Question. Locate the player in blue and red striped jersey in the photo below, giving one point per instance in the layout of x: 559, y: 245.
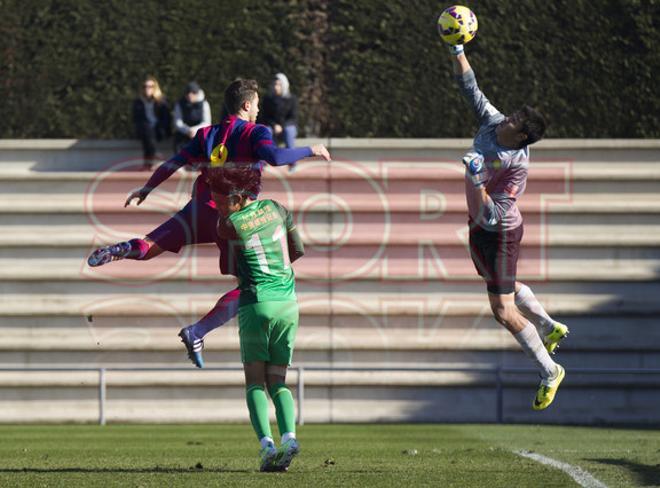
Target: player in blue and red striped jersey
x: 237, y: 139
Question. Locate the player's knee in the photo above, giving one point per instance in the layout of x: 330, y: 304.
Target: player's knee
x: 503, y: 313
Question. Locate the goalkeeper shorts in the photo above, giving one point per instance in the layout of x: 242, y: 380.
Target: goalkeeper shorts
x: 495, y: 256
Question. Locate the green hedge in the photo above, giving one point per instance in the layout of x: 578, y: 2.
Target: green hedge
x: 369, y: 68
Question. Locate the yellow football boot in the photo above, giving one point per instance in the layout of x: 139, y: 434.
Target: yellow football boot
x: 552, y: 340
x: 548, y: 389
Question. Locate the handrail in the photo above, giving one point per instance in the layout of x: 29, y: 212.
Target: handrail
x: 497, y: 371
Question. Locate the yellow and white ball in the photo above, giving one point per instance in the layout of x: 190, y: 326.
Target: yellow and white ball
x: 457, y: 25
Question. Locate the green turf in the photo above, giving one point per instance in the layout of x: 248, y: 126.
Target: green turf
x: 405, y: 456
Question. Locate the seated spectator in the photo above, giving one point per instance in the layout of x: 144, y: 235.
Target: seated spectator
x: 191, y: 113
x: 151, y: 116
x: 279, y: 111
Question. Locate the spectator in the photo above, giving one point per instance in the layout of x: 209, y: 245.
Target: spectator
x: 151, y: 116
x: 280, y: 111
x: 191, y: 113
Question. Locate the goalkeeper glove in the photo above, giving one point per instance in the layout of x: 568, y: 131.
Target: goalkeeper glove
x: 457, y: 49
x: 475, y: 168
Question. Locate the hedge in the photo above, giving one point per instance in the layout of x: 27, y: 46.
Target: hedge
x: 70, y: 68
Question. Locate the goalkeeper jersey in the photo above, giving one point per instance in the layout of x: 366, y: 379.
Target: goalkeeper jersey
x: 257, y: 239
x: 507, y: 168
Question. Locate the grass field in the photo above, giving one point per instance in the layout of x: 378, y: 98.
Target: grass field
x: 405, y: 456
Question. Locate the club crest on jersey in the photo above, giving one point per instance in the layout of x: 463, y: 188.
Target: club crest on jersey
x: 219, y: 155
x: 475, y: 166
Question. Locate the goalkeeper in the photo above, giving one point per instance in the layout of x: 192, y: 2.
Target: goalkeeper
x: 261, y: 242
x: 495, y: 177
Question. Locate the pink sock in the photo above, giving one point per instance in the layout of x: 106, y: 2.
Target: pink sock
x: 224, y: 310
x: 139, y: 247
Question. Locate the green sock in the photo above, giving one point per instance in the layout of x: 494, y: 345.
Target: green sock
x: 257, y: 403
x: 285, y: 410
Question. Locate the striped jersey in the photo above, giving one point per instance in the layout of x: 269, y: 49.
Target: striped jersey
x: 232, y: 140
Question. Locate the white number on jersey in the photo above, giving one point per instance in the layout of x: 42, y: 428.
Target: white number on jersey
x: 255, y: 243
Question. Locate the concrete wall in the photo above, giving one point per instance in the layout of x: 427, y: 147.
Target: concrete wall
x: 386, y: 282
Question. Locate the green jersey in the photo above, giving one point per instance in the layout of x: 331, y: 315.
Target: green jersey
x: 259, y: 238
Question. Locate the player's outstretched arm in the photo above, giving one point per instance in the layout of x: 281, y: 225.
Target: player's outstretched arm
x: 265, y: 149
x: 163, y: 172
x: 189, y: 154
x: 320, y: 151
x: 459, y: 60
x: 467, y: 83
x: 279, y: 156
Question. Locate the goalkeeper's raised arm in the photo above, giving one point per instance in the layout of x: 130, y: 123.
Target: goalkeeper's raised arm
x: 467, y: 82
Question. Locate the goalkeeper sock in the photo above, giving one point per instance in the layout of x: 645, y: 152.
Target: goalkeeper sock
x: 285, y: 410
x: 224, y: 310
x: 533, y: 311
x: 257, y: 403
x: 531, y: 343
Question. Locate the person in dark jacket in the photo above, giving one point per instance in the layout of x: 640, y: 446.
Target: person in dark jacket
x: 191, y: 113
x: 151, y: 117
x: 280, y: 111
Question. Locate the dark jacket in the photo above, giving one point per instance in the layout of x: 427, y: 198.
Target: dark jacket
x: 279, y: 110
x: 192, y: 113
x: 163, y: 127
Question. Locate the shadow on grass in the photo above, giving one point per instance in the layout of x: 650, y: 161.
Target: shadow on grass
x: 155, y: 469
x: 645, y: 474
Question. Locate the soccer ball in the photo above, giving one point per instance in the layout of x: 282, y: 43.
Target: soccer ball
x: 457, y: 25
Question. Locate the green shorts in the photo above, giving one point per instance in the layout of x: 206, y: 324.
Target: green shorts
x: 267, y: 331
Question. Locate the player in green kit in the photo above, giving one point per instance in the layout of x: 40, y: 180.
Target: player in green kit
x: 262, y: 241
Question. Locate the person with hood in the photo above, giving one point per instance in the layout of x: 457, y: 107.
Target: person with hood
x: 280, y: 111
x: 191, y: 113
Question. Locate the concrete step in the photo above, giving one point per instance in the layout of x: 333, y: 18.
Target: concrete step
x: 590, y: 258
x: 367, y: 294
x: 363, y: 233
x: 324, y: 225
x: 206, y: 396
x: 446, y: 336
x: 380, y: 180
x: 350, y: 301
x: 376, y: 334
x: 625, y: 404
x: 312, y: 378
x: 569, y: 358
x: 72, y: 154
x: 226, y: 339
x: 401, y: 267
x: 432, y: 203
x: 638, y: 167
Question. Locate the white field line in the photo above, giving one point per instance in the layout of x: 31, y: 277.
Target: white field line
x: 581, y: 477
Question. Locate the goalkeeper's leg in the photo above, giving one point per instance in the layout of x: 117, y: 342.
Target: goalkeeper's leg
x: 552, y: 374
x: 551, y: 331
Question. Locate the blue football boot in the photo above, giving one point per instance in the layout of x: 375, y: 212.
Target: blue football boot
x: 193, y: 345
